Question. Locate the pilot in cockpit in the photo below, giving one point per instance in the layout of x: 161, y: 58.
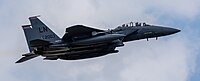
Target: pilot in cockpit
x: 123, y: 25
x: 144, y: 24
x: 137, y: 24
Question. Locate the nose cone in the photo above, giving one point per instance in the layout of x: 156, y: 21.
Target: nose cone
x: 163, y: 31
x: 169, y: 31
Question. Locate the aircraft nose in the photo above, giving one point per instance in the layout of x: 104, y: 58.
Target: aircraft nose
x: 171, y: 30
x: 177, y: 30
x: 163, y: 31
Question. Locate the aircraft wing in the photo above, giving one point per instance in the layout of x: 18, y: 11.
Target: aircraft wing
x: 79, y: 30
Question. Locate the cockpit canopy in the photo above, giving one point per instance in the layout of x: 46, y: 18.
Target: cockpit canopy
x: 132, y: 24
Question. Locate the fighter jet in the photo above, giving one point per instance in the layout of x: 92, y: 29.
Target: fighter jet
x: 82, y: 42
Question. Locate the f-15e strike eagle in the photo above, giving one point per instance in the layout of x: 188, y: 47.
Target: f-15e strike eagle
x: 81, y: 42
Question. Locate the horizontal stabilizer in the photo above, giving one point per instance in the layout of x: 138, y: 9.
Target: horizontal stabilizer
x: 27, y: 57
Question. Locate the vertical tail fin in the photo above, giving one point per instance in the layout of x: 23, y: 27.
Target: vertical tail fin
x: 29, y: 34
x: 38, y: 31
x: 42, y: 30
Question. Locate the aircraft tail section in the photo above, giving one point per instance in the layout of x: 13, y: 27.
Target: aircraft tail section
x: 42, y: 30
x: 37, y: 34
x: 29, y: 34
x: 38, y: 31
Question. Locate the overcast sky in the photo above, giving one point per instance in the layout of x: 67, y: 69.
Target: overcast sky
x: 171, y: 58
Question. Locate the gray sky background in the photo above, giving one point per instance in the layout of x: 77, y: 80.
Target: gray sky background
x: 171, y: 58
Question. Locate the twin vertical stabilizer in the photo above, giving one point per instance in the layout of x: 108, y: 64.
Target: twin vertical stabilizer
x: 38, y: 31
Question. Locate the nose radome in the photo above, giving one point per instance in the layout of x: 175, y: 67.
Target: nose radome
x: 172, y: 30
x: 163, y: 31
x: 177, y: 30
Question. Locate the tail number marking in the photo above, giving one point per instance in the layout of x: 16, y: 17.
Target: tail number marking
x: 51, y: 36
x: 43, y: 29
